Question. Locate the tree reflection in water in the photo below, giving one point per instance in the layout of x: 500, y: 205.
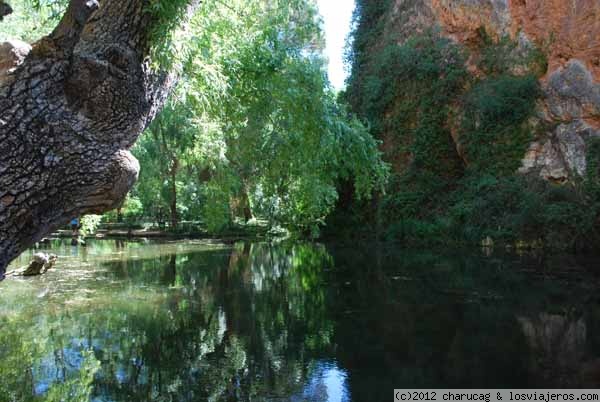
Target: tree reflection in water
x: 291, y: 321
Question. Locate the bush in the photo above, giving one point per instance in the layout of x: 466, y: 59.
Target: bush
x: 516, y: 208
x: 89, y: 224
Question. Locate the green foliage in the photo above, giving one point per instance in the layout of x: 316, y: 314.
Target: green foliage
x: 591, y: 183
x: 495, y: 127
x: 253, y: 126
x: 515, y: 208
x: 168, y: 17
x: 89, y: 224
x: 365, y: 39
x: 508, y: 209
x: 132, y: 209
x: 408, y: 99
x: 165, y: 151
x: 410, y: 83
x: 507, y: 56
x: 31, y: 19
x: 216, y: 209
x: 415, y: 95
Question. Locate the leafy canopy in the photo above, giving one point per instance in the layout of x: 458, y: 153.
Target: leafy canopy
x: 262, y: 127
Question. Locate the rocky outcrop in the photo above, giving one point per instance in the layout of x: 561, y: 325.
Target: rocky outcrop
x: 566, y: 31
x: 39, y: 265
x: 571, y: 108
x: 569, y: 29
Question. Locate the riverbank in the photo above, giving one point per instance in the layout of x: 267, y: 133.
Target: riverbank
x: 120, y: 231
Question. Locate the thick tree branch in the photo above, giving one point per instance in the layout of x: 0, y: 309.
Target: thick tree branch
x: 69, y: 112
x: 68, y: 30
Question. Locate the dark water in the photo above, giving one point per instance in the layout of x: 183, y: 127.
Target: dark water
x: 190, y: 321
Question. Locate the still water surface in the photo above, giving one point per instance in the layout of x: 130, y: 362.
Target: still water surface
x: 192, y: 321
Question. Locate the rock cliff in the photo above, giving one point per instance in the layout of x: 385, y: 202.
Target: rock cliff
x: 568, y: 34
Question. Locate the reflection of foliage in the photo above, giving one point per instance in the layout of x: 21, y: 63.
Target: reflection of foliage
x: 16, y: 355
x: 434, y: 318
x: 170, y: 331
x: 299, y: 268
x: 79, y: 388
x: 24, y: 345
x: 258, y: 320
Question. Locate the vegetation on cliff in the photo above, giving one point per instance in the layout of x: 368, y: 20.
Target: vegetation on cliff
x: 455, y: 124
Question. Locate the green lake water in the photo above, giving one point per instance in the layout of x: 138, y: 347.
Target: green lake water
x: 193, y: 321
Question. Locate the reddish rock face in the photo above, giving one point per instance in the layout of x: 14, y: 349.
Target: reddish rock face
x: 567, y: 31
x: 462, y: 19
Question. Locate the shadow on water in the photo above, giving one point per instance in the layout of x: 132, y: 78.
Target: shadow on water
x: 188, y: 321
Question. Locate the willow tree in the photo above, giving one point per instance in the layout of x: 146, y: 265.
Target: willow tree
x: 270, y: 132
x: 71, y: 106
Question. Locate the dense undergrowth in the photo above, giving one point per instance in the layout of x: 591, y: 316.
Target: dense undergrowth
x: 456, y: 137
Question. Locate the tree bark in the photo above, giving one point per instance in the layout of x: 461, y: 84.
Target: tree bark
x: 247, y: 208
x: 69, y: 112
x: 173, y: 172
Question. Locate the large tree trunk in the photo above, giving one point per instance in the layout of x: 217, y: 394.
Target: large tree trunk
x: 69, y: 111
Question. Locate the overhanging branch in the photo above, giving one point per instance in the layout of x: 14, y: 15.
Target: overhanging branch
x: 69, y: 112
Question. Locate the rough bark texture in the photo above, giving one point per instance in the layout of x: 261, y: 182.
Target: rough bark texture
x: 70, y: 108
